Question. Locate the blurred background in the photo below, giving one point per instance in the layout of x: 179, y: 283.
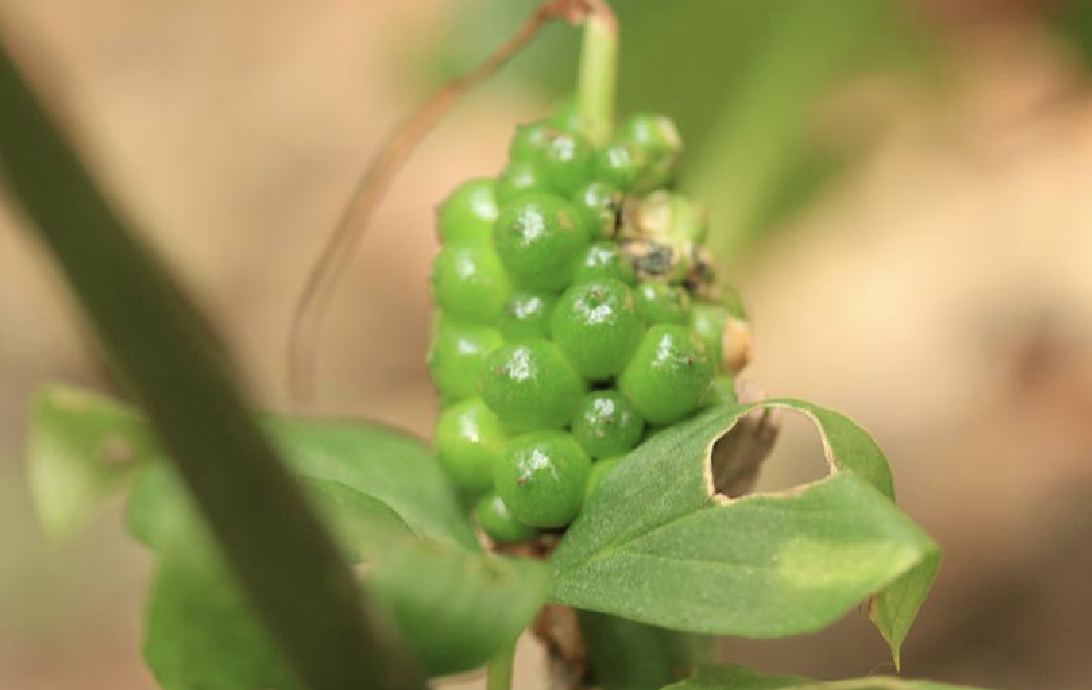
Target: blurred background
x: 900, y: 189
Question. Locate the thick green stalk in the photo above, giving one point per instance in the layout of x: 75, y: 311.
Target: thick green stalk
x: 285, y: 560
x: 598, y: 74
x: 499, y: 671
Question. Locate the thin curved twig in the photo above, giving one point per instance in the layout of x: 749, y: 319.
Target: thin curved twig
x: 325, y: 274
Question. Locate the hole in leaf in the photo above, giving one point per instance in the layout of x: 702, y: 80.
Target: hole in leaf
x: 797, y: 459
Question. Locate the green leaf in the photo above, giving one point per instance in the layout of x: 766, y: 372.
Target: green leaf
x: 83, y: 444
x: 199, y: 631
x: 740, y: 678
x: 81, y: 447
x: 388, y: 464
x: 453, y: 609
x: 458, y: 610
x: 656, y: 546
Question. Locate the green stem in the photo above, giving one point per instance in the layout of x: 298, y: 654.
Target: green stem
x: 499, y: 672
x: 284, y: 558
x: 598, y: 74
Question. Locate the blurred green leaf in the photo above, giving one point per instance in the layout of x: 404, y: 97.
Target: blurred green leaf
x: 379, y: 461
x: 739, y: 678
x: 454, y: 609
x: 383, y: 496
x: 654, y: 545
x: 1072, y: 20
x: 76, y: 434
x: 80, y: 448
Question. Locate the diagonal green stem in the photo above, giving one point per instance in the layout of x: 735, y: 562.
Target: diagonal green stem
x: 280, y: 552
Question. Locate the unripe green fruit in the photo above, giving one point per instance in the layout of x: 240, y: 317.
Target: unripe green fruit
x: 457, y: 357
x: 498, y: 523
x: 607, y: 424
x: 530, y: 140
x: 527, y: 315
x: 659, y: 142
x: 470, y: 282
x: 662, y: 303
x: 530, y: 385
x: 597, y: 326
x: 708, y: 321
x: 605, y: 260
x: 565, y: 160
x: 468, y: 214
x: 669, y: 375
x: 541, y: 478
x: 723, y: 392
x: 566, y: 117
x: 519, y: 177
x: 620, y: 164
x: 601, y: 205
x: 540, y: 239
x: 469, y: 442
x: 600, y: 469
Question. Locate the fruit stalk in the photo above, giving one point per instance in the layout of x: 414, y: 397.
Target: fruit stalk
x: 598, y: 73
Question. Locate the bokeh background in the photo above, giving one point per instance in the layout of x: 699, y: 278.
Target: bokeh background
x: 900, y: 189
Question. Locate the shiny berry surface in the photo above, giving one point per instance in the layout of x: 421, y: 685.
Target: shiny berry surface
x: 497, y: 521
x: 541, y: 478
x: 457, y: 357
x: 669, y: 375
x: 540, y: 239
x: 469, y: 282
x: 607, y: 424
x: 597, y: 326
x: 468, y: 214
x: 531, y: 385
x: 527, y: 315
x: 469, y: 441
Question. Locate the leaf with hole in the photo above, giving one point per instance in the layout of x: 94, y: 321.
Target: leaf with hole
x: 656, y: 545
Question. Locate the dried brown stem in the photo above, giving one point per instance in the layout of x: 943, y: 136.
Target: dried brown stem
x: 327, y: 271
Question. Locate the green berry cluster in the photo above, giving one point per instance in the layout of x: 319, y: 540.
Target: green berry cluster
x: 578, y: 314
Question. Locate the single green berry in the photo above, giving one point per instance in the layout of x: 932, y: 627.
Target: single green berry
x: 527, y: 315
x: 468, y: 214
x: 541, y: 478
x: 659, y: 142
x: 669, y: 375
x: 723, y: 392
x: 457, y: 357
x: 498, y: 523
x: 540, y: 239
x: 470, y: 282
x: 566, y: 117
x: 607, y: 424
x: 530, y: 385
x: 530, y: 140
x: 708, y: 320
x: 662, y: 303
x: 519, y: 177
x: 597, y: 326
x: 601, y: 205
x: 600, y: 469
x: 565, y: 160
x: 605, y: 260
x: 621, y: 164
x: 469, y: 440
